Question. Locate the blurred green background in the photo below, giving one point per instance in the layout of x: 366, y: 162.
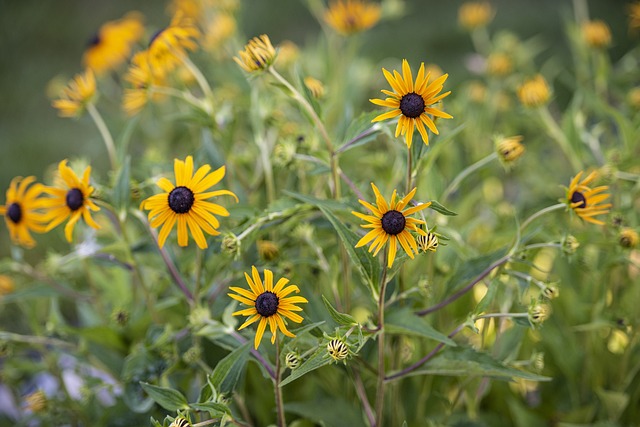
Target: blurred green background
x: 40, y: 41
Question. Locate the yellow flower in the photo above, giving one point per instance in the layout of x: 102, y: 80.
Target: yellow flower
x: 534, y: 92
x: 412, y: 102
x: 499, y: 65
x: 338, y: 350
x: 7, y: 285
x: 315, y: 86
x: 510, y: 149
x: 268, y: 303
x: 170, y: 44
x: 352, y: 16
x: 111, y: 46
x: 477, y: 92
x: 142, y: 80
x: 633, y: 97
x: 596, y: 34
x: 634, y: 15
x: 36, y: 402
x: 628, y: 238
x: 79, y: 92
x: 72, y: 199
x: 428, y: 242
x: 219, y: 30
x: 288, y: 53
x: 390, y: 223
x: 474, y: 15
x: 21, y: 210
x: 186, y: 203
x: 586, y: 201
x: 267, y: 250
x: 258, y: 54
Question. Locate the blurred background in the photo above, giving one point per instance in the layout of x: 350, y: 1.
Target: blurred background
x: 42, y: 44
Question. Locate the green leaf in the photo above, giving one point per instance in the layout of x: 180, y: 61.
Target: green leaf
x: 215, y: 410
x: 404, y: 322
x: 125, y: 137
x: 360, y: 131
x: 340, y: 318
x: 122, y: 191
x: 317, y: 360
x: 465, y: 361
x: 487, y: 301
x: 227, y: 372
x: 328, y: 412
x: 441, y: 209
x: 168, y: 398
x: 473, y: 268
x: 102, y: 335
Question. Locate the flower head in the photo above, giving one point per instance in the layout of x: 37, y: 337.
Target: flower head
x: 268, y: 303
x: 509, y: 149
x: 220, y: 29
x: 596, y: 34
x: 338, y: 349
x: 475, y: 14
x: 111, y: 46
x: 186, y: 204
x: 390, y: 223
x: 71, y: 199
x: 7, y: 285
x: 352, y: 16
x: 292, y: 360
x: 20, y: 210
x: 534, y: 92
x: 628, y: 238
x: 258, y: 55
x: 168, y: 45
x: 586, y: 201
x: 142, y: 80
x: 428, y: 243
x: 499, y: 64
x: 634, y: 15
x: 267, y: 250
x: 79, y: 92
x: 412, y: 101
x: 315, y: 86
x: 538, y: 313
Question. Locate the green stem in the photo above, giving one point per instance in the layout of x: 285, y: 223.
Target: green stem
x: 202, y: 81
x: 556, y: 133
x: 466, y: 172
x: 495, y: 315
x: 381, y: 346
x: 106, y: 135
x: 282, y: 422
x: 540, y: 213
x: 409, y: 161
x: 198, y: 273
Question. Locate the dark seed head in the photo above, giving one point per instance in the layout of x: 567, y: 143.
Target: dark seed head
x: 267, y: 304
x: 578, y: 197
x: 181, y: 200
x: 14, y: 212
x: 393, y: 222
x: 412, y: 105
x: 75, y: 199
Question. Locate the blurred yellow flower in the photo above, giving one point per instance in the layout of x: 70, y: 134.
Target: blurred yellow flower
x: 7, y: 285
x: 142, y: 80
x: 267, y: 250
x: 258, y: 54
x: 634, y: 97
x: 477, y: 92
x: 534, y: 92
x: 510, y: 149
x: 596, y: 34
x: 412, y: 102
x: 586, y: 201
x: 634, y: 15
x: 628, y: 238
x: 499, y: 65
x: 221, y: 28
x: 36, y: 402
x: 315, y: 86
x: 288, y: 53
x: 70, y: 200
x: 352, y: 16
x: 168, y: 45
x: 474, y: 15
x: 20, y: 210
x: 111, y: 46
x: 186, y: 203
x: 79, y: 92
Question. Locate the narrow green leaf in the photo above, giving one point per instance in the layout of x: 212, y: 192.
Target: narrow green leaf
x: 329, y: 412
x: 215, y: 410
x: 122, y: 189
x: 227, y: 372
x: 404, y: 322
x: 125, y: 136
x: 487, y: 301
x: 168, y: 398
x: 473, y: 268
x: 317, y: 360
x: 441, y: 209
x: 467, y: 362
x: 360, y: 131
x: 341, y: 318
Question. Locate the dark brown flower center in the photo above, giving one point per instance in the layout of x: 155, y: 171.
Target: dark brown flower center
x: 181, y: 200
x: 14, y: 212
x: 267, y: 304
x: 94, y: 41
x: 393, y: 222
x: 75, y: 199
x: 578, y: 197
x: 412, y: 105
x: 155, y: 36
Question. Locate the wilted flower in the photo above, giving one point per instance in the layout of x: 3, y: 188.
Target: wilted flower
x: 474, y: 15
x: 267, y: 250
x: 596, y: 34
x: 534, y: 92
x: 509, y: 149
x: 628, y: 238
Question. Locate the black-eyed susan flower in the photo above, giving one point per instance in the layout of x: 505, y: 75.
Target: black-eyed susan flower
x: 352, y: 16
x: 428, y: 243
x: 186, y: 203
x: 586, y: 201
x: 338, y: 350
x: 142, y: 80
x: 168, y: 45
x: 509, y: 149
x: 534, y: 92
x: 71, y: 200
x: 180, y: 422
x: 268, y: 304
x: 258, y: 55
x: 111, y: 46
x: 20, y: 210
x: 628, y: 238
x: 80, y: 91
x: 596, y: 34
x: 475, y: 14
x: 390, y: 222
x: 412, y: 101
